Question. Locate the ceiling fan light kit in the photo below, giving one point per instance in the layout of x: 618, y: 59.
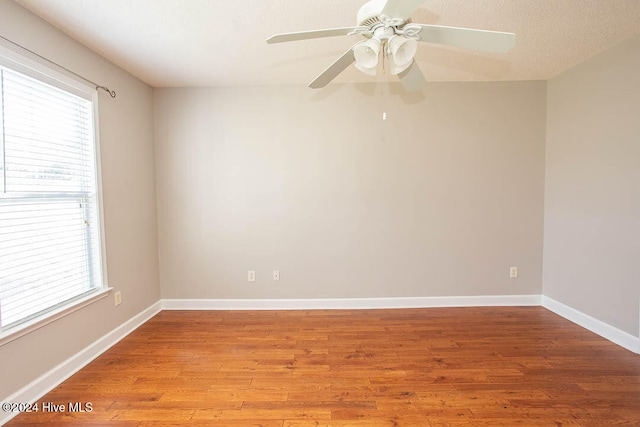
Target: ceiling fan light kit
x: 366, y: 53
x: 402, y: 50
x: 372, y: 71
x: 387, y: 27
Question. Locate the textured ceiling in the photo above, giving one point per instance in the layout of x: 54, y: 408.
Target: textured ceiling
x: 222, y: 42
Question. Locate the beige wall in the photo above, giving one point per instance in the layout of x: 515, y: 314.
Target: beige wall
x: 592, y: 202
x: 126, y: 134
x: 439, y: 200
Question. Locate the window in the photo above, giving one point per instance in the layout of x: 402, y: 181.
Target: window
x: 50, y: 247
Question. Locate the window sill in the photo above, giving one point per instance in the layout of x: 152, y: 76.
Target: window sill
x: 32, y: 325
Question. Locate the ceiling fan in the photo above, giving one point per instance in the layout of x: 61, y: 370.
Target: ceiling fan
x: 390, y: 34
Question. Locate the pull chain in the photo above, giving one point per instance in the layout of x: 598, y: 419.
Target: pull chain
x: 385, y: 83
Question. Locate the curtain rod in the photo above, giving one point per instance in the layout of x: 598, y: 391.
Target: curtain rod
x: 112, y: 93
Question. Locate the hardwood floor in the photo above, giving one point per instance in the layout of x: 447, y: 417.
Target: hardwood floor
x: 485, y: 366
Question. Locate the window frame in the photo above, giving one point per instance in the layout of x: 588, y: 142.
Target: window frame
x: 35, y: 67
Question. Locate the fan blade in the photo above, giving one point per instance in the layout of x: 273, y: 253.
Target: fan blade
x: 489, y: 41
x: 334, y: 69
x: 401, y: 9
x: 412, y: 78
x: 314, y: 34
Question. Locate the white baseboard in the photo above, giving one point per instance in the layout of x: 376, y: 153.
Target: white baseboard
x: 596, y: 326
x: 350, y: 303
x: 47, y: 382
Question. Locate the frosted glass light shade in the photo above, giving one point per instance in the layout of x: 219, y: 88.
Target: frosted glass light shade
x: 366, y: 54
x: 402, y: 52
x: 371, y: 71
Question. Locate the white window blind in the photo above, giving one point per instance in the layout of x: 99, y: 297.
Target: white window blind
x: 50, y: 250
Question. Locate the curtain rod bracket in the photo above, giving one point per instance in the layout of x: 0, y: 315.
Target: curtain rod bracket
x: 112, y: 93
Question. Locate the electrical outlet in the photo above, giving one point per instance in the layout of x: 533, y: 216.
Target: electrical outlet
x: 513, y: 272
x: 251, y: 276
x: 117, y: 296
x: 276, y: 275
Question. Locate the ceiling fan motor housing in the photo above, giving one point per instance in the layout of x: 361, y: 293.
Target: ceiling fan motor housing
x: 369, y: 13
